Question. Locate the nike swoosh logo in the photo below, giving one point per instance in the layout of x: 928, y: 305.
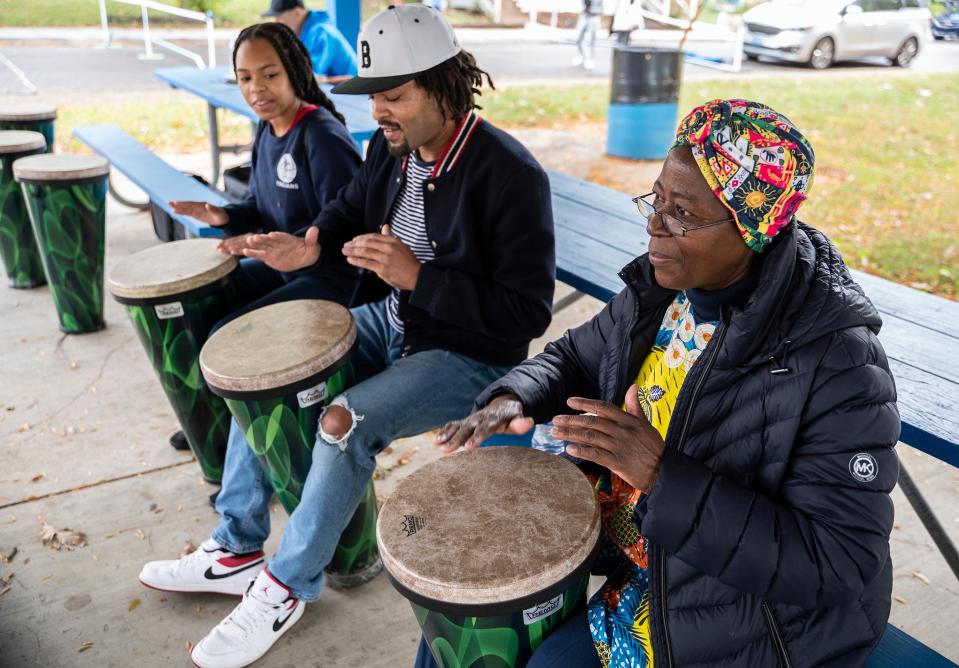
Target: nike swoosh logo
x: 210, y: 575
x: 277, y: 624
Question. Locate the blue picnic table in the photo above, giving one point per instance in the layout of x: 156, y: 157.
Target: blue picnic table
x: 212, y: 86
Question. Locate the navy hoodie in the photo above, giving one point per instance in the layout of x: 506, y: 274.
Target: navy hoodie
x: 296, y: 175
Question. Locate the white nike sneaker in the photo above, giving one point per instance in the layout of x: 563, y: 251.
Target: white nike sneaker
x: 267, y: 611
x: 210, y: 568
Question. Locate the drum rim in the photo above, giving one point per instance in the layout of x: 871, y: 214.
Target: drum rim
x: 285, y: 380
x: 498, y: 608
x: 290, y: 388
x: 14, y: 117
x: 38, y: 145
x: 164, y: 293
x: 465, y: 598
x: 99, y: 169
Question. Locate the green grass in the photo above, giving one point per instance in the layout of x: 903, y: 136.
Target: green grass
x: 235, y: 13
x: 886, y: 187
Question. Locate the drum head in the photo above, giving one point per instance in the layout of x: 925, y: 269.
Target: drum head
x: 488, y: 526
x: 169, y: 270
x: 21, y: 141
x: 60, y: 167
x: 28, y: 112
x: 278, y: 346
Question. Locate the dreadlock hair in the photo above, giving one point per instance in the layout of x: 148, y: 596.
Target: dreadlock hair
x: 454, y: 83
x: 295, y: 59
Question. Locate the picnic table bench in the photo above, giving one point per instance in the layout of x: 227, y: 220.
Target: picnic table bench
x: 599, y: 231
x: 161, y: 181
x: 211, y: 85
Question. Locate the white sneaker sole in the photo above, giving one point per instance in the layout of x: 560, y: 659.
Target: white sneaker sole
x: 204, y: 588
x: 198, y: 660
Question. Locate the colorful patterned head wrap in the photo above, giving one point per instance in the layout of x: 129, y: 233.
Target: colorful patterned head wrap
x: 755, y: 161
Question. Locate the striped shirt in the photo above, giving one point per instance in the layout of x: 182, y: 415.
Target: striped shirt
x: 408, y: 224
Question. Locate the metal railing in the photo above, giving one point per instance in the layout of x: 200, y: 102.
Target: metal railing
x: 148, y: 41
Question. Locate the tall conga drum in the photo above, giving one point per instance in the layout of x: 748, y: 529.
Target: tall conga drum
x: 18, y: 245
x: 175, y: 293
x: 492, y: 547
x: 278, y: 367
x: 66, y: 197
x: 34, y: 117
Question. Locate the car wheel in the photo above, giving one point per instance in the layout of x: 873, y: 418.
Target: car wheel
x: 906, y: 53
x: 822, y: 54
x: 938, y: 38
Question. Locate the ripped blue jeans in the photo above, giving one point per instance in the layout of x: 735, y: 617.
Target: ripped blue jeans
x: 396, y: 397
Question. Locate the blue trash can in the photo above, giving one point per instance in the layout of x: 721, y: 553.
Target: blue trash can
x: 643, y: 103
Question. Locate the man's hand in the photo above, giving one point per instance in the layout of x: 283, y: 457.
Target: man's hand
x: 623, y: 442
x: 386, y: 256
x: 234, y: 245
x: 211, y: 214
x: 503, y: 415
x: 285, y: 252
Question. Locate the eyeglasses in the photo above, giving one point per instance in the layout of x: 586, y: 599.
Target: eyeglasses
x: 673, y: 225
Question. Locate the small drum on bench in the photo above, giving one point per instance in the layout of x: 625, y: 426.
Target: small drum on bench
x: 492, y: 547
x: 34, y: 117
x: 277, y: 367
x: 18, y: 245
x: 175, y: 293
x: 66, y: 196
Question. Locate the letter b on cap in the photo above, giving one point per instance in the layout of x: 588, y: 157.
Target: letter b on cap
x: 365, y: 54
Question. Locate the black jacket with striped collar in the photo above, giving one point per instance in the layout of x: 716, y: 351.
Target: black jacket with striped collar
x: 489, y: 218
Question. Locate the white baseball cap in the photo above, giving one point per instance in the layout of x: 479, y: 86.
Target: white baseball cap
x: 398, y: 44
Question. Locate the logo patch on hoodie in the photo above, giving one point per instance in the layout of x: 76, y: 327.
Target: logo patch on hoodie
x: 286, y: 172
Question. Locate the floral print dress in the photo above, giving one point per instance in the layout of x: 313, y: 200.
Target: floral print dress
x: 619, y: 612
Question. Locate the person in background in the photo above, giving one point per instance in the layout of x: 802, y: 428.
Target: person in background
x: 586, y: 34
x: 333, y: 57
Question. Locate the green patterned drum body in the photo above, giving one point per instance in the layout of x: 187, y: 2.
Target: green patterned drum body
x: 492, y: 548
x: 175, y: 293
x: 18, y: 245
x: 30, y: 117
x: 277, y: 397
x: 66, y: 199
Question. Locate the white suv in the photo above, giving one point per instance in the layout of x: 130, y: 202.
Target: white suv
x: 820, y: 32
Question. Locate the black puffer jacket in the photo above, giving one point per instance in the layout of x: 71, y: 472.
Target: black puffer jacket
x: 769, y: 533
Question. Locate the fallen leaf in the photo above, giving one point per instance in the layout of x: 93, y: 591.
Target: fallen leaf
x: 10, y: 520
x: 58, y: 539
x: 133, y: 604
x: 179, y: 507
x: 7, y: 557
x: 87, y: 644
x: 388, y: 450
x: 189, y: 647
x: 139, y: 534
x: 4, y: 590
x: 900, y: 599
x: 188, y: 548
x: 38, y: 477
x: 74, y: 365
x: 919, y: 576
x: 163, y: 599
x: 24, y: 427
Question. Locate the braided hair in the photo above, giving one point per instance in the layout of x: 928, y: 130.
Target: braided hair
x: 295, y: 59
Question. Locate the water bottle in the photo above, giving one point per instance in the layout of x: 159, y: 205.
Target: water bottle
x: 543, y: 440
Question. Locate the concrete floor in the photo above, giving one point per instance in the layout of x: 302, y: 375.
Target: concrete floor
x: 83, y: 428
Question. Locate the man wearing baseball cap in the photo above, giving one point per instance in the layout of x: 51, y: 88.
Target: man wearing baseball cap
x: 333, y: 57
x: 450, y: 225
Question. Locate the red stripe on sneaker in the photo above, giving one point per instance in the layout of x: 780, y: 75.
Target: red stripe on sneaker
x: 270, y: 575
x: 233, y: 562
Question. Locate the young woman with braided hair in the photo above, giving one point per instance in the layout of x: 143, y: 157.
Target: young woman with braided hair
x: 302, y: 155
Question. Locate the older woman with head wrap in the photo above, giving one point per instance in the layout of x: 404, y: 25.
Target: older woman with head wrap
x: 737, y: 415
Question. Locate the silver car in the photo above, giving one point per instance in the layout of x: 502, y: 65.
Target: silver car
x: 820, y: 32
